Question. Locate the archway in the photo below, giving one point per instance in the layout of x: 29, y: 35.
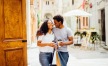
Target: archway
x: 48, y: 16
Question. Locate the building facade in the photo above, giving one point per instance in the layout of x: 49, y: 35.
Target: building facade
x: 99, y: 10
x: 49, y: 8
x: 83, y: 22
x: 98, y: 20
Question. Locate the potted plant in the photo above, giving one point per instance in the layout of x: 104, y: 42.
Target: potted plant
x: 94, y: 37
x: 77, y: 36
x: 83, y: 34
x: 77, y: 33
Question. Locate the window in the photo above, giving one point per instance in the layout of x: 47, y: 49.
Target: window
x: 86, y: 21
x: 48, y: 2
x: 72, y: 2
x: 53, y: 3
x: 79, y: 23
x: 83, y: 21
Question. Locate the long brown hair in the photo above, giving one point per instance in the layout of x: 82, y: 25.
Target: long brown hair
x: 43, y: 29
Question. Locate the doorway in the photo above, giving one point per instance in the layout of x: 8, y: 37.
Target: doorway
x: 103, y: 32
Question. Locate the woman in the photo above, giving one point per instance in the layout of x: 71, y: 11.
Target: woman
x: 45, y: 43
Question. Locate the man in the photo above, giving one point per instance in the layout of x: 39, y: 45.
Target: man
x: 65, y: 35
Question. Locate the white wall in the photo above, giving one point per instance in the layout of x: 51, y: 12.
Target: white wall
x: 94, y: 17
x: 48, y: 8
x: 28, y: 21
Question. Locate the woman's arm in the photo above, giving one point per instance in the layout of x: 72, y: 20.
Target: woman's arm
x: 51, y: 44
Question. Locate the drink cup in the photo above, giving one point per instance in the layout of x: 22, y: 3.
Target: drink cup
x: 59, y: 41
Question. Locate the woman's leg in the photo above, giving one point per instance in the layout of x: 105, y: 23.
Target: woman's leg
x: 50, y: 58
x: 45, y: 58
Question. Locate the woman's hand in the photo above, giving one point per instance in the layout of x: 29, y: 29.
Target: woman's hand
x: 52, y: 44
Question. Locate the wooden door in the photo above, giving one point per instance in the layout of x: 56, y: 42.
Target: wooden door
x: 13, y: 49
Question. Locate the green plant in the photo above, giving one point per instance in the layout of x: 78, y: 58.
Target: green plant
x: 77, y: 33
x: 83, y: 34
x: 94, y: 37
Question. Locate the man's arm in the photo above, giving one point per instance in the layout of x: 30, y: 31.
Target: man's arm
x: 70, y: 38
x: 68, y: 42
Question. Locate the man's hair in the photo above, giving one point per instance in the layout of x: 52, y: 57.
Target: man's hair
x: 58, y: 18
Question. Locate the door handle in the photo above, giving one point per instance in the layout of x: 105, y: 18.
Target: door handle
x: 24, y: 40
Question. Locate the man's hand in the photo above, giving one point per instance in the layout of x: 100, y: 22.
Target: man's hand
x: 61, y: 43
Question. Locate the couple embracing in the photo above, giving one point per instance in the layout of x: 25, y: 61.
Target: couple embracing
x: 48, y: 38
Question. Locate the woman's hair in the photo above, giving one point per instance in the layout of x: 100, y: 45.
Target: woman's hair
x: 58, y: 18
x: 43, y: 29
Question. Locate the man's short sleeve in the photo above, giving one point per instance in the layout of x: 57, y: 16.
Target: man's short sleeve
x: 69, y: 32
